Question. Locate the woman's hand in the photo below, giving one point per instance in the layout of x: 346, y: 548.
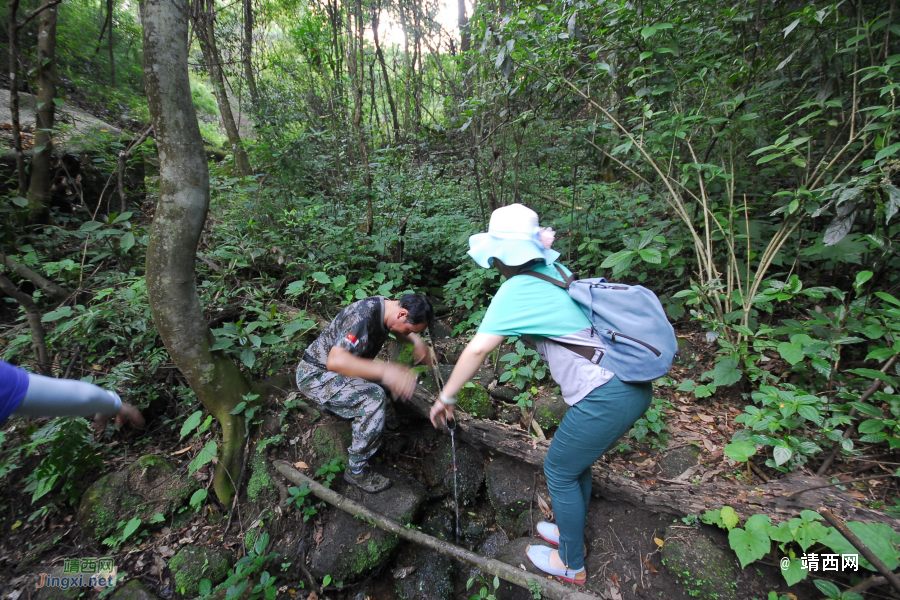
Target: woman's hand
x: 127, y: 414
x: 441, y: 412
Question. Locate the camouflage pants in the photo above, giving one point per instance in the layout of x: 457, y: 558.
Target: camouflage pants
x: 350, y: 398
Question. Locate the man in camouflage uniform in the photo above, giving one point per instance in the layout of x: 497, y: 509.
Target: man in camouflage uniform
x: 338, y: 373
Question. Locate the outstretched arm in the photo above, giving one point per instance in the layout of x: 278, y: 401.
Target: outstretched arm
x: 467, y: 365
x: 49, y: 397
x: 399, y: 380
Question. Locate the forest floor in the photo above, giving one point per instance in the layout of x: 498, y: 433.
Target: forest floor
x: 625, y: 557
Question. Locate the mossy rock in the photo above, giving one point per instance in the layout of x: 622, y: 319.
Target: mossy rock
x: 133, y: 590
x: 476, y: 401
x: 705, y: 570
x: 549, y: 412
x: 350, y: 548
x: 147, y: 486
x: 677, y: 461
x: 330, y: 440
x: 261, y: 485
x: 195, y: 563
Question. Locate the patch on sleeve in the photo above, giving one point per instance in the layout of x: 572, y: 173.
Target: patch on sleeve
x: 352, y: 339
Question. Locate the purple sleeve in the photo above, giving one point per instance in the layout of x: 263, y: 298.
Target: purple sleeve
x: 13, y: 385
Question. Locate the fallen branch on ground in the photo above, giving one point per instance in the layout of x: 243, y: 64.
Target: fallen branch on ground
x: 863, y: 549
x: 549, y: 588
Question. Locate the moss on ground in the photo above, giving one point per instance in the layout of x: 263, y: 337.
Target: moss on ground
x: 260, y: 479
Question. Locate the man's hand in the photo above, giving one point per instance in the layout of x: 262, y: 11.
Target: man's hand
x: 441, y: 412
x: 399, y: 380
x: 423, y: 352
x: 127, y: 413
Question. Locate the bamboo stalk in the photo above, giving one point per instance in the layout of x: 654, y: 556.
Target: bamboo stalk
x: 549, y: 588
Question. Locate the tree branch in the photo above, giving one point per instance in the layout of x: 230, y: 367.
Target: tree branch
x: 57, y: 292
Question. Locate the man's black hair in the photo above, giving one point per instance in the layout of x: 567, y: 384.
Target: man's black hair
x: 419, y: 308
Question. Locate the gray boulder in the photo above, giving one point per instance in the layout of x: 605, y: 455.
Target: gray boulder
x: 432, y: 572
x: 134, y: 590
x: 351, y: 548
x: 489, y: 548
x: 513, y: 554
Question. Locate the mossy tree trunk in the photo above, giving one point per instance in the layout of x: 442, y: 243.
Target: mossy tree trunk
x: 39, y: 189
x: 183, y: 205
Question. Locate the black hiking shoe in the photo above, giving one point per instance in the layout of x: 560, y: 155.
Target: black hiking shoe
x: 367, y: 480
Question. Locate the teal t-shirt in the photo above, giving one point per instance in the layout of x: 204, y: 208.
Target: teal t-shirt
x: 526, y: 305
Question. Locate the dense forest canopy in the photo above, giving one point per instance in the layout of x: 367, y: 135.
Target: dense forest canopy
x: 736, y: 158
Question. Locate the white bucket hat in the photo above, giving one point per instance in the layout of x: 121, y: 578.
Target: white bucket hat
x: 514, y: 237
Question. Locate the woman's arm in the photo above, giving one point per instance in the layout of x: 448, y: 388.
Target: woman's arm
x: 49, y: 397
x: 467, y: 365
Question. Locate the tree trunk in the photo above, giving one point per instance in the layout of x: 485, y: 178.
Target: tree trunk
x: 246, y: 54
x: 14, y: 94
x: 357, y: 67
x: 465, y: 42
x: 384, y: 71
x: 179, y: 219
x: 41, y: 173
x: 112, y: 59
x: 33, y: 315
x: 206, y: 35
x: 678, y: 499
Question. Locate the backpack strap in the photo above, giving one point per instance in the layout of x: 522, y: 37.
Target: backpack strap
x: 568, y: 278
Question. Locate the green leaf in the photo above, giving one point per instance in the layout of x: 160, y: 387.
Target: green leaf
x: 326, y: 581
x: 740, y: 451
x: 782, y: 454
x: 795, y: 572
x: 197, y: 498
x: 871, y: 426
x: 59, y: 313
x: 205, y: 456
x: 826, y: 587
x: 749, y: 545
x: 703, y: 391
x: 726, y: 372
x: 862, y: 277
x: 872, y: 374
x: 190, y: 424
x: 126, y: 242
x: 241, y: 406
x: 888, y: 298
x: 792, y: 353
x: 687, y: 385
x: 729, y: 518
x: 90, y: 226
x: 867, y: 409
x: 321, y: 277
x: 19, y: 201
x: 616, y: 258
x: 887, y: 151
x: 880, y: 538
x: 295, y: 287
x: 248, y: 357
x: 157, y: 518
x: 651, y: 255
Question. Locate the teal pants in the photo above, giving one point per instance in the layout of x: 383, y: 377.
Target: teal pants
x: 587, y: 431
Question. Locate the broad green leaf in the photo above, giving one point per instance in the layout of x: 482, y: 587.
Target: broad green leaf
x: 703, y: 391
x: 880, y: 538
x: 729, y: 518
x: 740, y: 450
x: 782, y: 454
x: 792, y: 353
x: 749, y: 545
x: 90, y: 226
x: 795, y: 572
x: 687, y: 385
x: 59, y: 313
x: 726, y: 372
x: 616, y: 258
x: 295, y: 287
x: 197, y: 498
x: 651, y: 255
x: 190, y: 424
x: 204, y: 457
x: 126, y: 242
x: 862, y: 277
x: 872, y: 374
x: 871, y: 426
x: 892, y: 149
x: 248, y: 357
x: 321, y: 277
x: 130, y: 528
x: 826, y: 587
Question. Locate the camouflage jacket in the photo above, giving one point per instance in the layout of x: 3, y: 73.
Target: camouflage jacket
x: 359, y: 329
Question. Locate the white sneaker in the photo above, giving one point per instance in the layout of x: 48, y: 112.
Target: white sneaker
x: 548, y: 532
x: 540, y: 557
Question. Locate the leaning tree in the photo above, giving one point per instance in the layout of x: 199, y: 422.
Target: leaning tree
x: 179, y: 219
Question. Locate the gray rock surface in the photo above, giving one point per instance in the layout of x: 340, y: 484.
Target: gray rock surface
x: 513, y: 554
x: 351, y: 548
x: 489, y: 548
x: 509, y: 485
x: 679, y: 460
x: 469, y: 470
x: 705, y: 570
